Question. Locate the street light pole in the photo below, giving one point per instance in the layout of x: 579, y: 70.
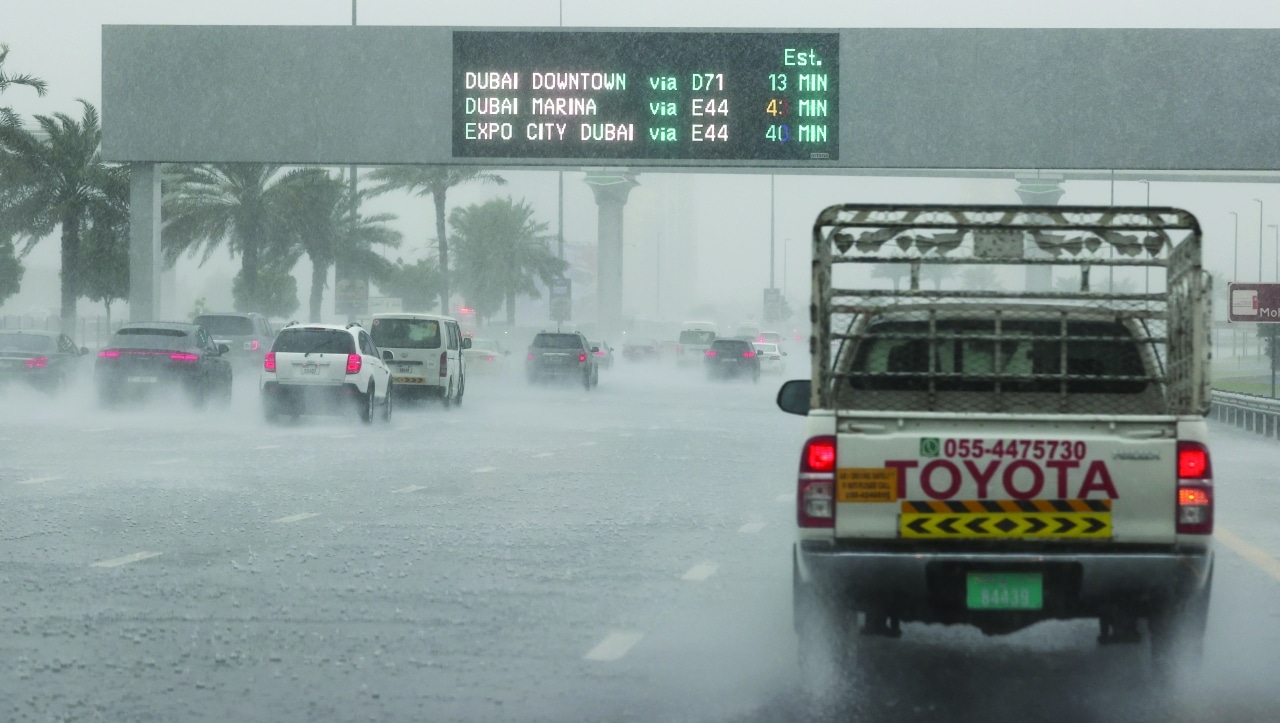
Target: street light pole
x: 772, y: 254
x: 657, y: 281
x: 1259, y: 202
x: 1146, y: 273
x: 1235, y: 261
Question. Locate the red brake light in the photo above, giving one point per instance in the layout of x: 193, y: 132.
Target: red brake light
x: 269, y: 362
x: 354, y: 363
x: 38, y: 363
x: 184, y: 357
x: 1195, y: 489
x: 582, y: 356
x: 488, y: 358
x: 444, y: 364
x: 815, y: 498
x: 678, y: 347
x: 711, y: 352
x: 530, y: 357
x: 253, y: 345
x: 108, y: 353
x: 749, y: 354
x: 1193, y: 461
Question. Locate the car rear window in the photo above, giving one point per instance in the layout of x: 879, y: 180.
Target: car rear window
x: 226, y: 324
x: 406, y: 333
x: 146, y: 338
x: 697, y: 337
x: 1102, y: 357
x: 767, y: 348
x: 729, y: 345
x: 557, y: 341
x: 25, y: 342
x: 314, y: 341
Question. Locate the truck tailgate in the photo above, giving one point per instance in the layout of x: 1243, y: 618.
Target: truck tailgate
x: 1045, y: 479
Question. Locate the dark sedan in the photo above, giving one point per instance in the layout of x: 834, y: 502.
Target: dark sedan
x: 732, y: 359
x: 155, y: 359
x: 44, y: 359
x: 641, y: 350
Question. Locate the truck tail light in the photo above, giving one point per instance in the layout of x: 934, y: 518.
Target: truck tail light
x: 815, y: 493
x: 354, y: 363
x: 269, y: 362
x: 444, y: 364
x: 1195, y: 489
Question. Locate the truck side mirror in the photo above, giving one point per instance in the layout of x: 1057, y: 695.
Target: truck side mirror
x: 793, y: 397
x: 466, y: 342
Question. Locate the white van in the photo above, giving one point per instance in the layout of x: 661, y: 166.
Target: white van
x: 426, y: 354
x: 695, y: 339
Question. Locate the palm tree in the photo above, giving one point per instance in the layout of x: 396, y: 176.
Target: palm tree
x: 104, y: 257
x: 501, y: 251
x: 54, y: 181
x: 434, y: 181
x: 317, y: 214
x: 7, y: 116
x: 241, y: 205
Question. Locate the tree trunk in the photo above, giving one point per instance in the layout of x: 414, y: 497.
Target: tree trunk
x: 319, y: 275
x: 249, y: 270
x: 511, y: 308
x: 438, y: 195
x: 70, y: 269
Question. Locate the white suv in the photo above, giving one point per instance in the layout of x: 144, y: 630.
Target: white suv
x: 324, y: 368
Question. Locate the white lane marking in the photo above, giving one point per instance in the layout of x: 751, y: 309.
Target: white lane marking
x: 407, y: 490
x: 655, y: 427
x: 587, y: 444
x: 751, y: 528
x: 174, y: 460
x: 1260, y: 559
x: 482, y: 470
x: 544, y: 454
x: 342, y: 436
x: 297, y: 518
x: 99, y: 429
x: 786, y: 498
x: 614, y: 646
x: 626, y: 434
x: 39, y: 480
x: 117, y: 562
x: 700, y: 572
x: 268, y: 446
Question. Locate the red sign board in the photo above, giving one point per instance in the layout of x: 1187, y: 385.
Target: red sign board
x: 1258, y: 303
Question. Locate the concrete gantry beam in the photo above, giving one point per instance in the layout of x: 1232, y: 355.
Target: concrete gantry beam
x: 611, y: 190
x: 145, y: 262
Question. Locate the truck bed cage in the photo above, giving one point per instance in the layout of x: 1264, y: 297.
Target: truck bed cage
x: 1090, y: 347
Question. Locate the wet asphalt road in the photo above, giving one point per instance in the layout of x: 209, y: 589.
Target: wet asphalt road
x: 540, y: 554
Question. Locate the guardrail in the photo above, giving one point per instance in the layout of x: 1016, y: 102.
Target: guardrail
x: 1247, y: 411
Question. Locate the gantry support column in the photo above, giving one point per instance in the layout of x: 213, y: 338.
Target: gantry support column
x: 145, y: 262
x: 611, y: 192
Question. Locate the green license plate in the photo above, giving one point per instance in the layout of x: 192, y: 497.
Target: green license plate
x: 1005, y: 591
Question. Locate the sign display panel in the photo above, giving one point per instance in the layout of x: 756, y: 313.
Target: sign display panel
x: 1254, y: 302
x: 646, y: 95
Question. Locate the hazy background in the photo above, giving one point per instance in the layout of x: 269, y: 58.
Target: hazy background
x: 697, y: 244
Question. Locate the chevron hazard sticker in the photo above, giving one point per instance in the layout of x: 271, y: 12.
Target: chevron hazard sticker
x: 1038, y: 519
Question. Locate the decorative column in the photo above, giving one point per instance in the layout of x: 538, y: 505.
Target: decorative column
x: 145, y: 263
x: 611, y: 191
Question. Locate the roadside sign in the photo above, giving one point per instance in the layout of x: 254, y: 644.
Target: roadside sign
x: 560, y: 293
x: 1255, y: 303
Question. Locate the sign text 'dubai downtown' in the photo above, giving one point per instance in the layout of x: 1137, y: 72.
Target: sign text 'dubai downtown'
x: 647, y: 95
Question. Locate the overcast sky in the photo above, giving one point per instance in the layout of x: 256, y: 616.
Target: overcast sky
x: 60, y: 41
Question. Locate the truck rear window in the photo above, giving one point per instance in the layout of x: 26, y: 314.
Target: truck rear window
x: 406, y: 333
x: 226, y: 325
x: 1027, y: 356
x: 697, y: 337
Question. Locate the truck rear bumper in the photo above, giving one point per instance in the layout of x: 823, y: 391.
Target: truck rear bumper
x: 930, y: 586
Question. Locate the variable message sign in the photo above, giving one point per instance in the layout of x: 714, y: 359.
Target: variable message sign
x: 1254, y: 302
x: 646, y: 95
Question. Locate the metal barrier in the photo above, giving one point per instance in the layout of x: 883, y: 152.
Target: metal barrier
x: 1246, y: 411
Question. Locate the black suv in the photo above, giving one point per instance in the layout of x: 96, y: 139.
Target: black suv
x: 732, y: 359
x: 562, y: 355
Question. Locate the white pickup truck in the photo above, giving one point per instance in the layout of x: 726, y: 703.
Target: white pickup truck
x: 998, y: 458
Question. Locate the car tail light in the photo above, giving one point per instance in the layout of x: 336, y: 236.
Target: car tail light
x: 530, y: 357
x: 599, y: 353
x: 269, y: 362
x: 582, y: 356
x: 354, y: 363
x: 1195, y: 489
x: 679, y: 348
x: 108, y: 353
x: 184, y: 357
x: 38, y: 363
x: 253, y: 345
x: 749, y: 354
x: 444, y: 364
x: 815, y: 496
x: 711, y: 352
